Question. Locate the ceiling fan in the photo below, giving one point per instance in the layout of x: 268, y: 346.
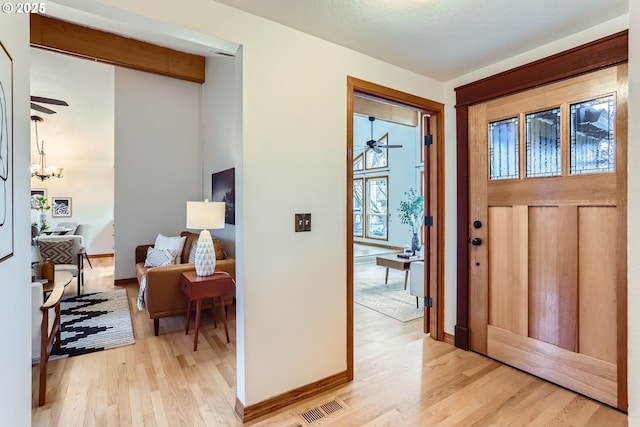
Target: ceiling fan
x: 42, y: 100
x: 377, y: 145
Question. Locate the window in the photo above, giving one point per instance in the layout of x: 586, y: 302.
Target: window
x: 377, y: 158
x: 358, y: 162
x: 503, y: 149
x: 543, y: 143
x: 376, y: 206
x: 592, y: 136
x: 358, y: 201
x: 370, y: 219
x: 590, y: 145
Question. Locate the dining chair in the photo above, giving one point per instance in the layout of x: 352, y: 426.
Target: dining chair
x: 69, y: 226
x: 66, y: 252
x: 80, y: 231
x: 46, y: 326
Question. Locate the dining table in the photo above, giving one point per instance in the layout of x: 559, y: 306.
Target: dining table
x: 56, y: 231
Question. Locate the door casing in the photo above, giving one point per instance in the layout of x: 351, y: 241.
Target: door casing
x: 436, y: 189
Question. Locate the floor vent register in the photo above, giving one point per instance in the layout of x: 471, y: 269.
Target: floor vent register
x: 322, y: 413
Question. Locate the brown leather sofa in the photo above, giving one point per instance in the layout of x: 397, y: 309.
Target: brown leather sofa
x: 163, y: 296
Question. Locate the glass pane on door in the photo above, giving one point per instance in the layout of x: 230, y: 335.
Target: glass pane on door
x: 503, y: 149
x: 592, y: 136
x: 542, y: 135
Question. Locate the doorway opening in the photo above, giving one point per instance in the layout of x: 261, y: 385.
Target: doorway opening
x: 371, y: 222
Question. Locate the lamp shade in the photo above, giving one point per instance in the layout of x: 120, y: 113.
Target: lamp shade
x: 205, y: 215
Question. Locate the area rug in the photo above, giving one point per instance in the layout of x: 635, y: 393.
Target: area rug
x: 95, y: 322
x: 391, y: 299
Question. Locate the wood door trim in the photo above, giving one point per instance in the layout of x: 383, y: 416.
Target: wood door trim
x: 436, y: 110
x: 621, y: 297
x: 605, y: 52
x: 601, y: 53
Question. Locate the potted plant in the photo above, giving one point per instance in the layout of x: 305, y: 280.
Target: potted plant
x: 40, y: 204
x: 412, y: 213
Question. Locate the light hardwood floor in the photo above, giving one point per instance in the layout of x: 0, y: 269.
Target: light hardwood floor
x: 402, y: 379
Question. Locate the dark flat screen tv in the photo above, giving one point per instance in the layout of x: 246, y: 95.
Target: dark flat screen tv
x: 223, y: 189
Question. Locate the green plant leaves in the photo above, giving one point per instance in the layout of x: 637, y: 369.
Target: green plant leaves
x: 412, y: 210
x: 40, y: 203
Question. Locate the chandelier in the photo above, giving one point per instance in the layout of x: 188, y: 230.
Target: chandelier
x: 41, y: 170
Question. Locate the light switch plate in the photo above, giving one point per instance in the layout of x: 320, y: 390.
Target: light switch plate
x: 303, y: 222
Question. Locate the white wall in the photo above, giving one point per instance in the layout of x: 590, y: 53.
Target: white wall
x: 79, y: 138
x: 157, y: 153
x: 222, y: 129
x: 293, y: 160
x: 222, y: 101
x: 294, y: 150
x: 15, y: 304
x: 633, y: 227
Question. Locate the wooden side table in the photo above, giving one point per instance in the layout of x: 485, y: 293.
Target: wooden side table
x: 397, y: 263
x: 196, y: 288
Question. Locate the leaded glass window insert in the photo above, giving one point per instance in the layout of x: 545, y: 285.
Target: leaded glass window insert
x: 542, y: 136
x: 503, y: 149
x: 592, y: 136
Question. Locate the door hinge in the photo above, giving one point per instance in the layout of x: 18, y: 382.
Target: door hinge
x: 428, y: 302
x: 428, y: 139
x: 428, y: 221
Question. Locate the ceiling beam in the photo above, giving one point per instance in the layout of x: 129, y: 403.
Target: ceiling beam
x: 61, y: 36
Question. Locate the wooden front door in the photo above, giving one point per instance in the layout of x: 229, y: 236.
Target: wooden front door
x: 547, y: 244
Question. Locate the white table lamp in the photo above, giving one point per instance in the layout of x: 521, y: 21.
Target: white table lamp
x: 205, y: 215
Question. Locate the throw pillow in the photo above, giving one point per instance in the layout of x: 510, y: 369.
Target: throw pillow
x: 160, y: 257
x: 164, y: 242
x: 59, y: 251
x: 219, y: 248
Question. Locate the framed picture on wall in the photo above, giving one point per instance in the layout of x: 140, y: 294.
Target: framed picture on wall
x: 38, y: 192
x: 223, y: 190
x: 61, y: 206
x: 6, y: 154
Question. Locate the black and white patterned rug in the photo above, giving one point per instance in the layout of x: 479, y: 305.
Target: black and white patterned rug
x: 94, y: 322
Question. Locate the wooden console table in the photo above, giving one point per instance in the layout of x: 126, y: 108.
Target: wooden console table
x: 196, y: 288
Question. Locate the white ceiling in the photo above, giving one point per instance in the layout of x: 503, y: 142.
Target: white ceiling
x: 441, y: 39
